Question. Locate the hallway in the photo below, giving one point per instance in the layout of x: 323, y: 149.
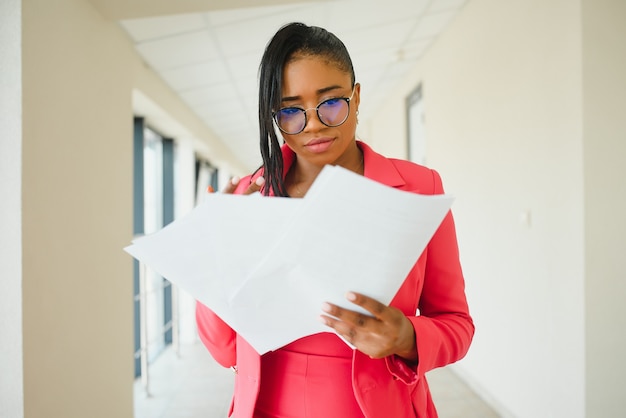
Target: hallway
x: 195, y: 386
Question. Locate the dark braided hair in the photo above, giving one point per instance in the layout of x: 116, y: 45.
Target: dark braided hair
x: 293, y: 39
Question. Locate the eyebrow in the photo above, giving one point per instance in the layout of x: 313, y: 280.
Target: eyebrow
x: 319, y: 92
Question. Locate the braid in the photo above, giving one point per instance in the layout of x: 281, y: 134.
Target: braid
x: 270, y: 147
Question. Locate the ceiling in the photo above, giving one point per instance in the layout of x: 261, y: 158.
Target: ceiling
x: 210, y: 58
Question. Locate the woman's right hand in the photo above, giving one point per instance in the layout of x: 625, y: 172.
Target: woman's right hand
x: 254, y: 187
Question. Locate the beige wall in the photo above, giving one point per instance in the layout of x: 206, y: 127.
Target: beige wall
x: 77, y: 210
x: 83, y: 83
x: 503, y: 110
x: 604, y: 71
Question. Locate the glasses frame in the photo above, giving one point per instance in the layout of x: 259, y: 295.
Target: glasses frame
x: 317, y: 112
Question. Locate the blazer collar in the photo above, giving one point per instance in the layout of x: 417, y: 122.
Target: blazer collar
x: 376, y: 166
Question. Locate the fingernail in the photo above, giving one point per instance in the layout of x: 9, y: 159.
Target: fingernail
x: 235, y: 180
x: 326, y: 307
x: 351, y: 296
x: 260, y: 181
x: 322, y: 320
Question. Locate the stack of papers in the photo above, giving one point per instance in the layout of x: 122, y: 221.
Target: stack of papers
x: 266, y: 265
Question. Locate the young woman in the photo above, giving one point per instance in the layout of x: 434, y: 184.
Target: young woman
x: 308, y: 91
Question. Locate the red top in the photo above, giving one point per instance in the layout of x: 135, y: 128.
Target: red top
x: 311, y: 377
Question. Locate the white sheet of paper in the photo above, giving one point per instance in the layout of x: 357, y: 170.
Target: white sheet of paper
x: 210, y: 251
x: 266, y: 265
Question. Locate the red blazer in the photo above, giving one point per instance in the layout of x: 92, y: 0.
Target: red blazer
x: 434, y: 288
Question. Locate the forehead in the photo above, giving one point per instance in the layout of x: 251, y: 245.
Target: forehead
x: 306, y: 74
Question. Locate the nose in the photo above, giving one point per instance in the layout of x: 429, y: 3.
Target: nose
x: 313, y: 122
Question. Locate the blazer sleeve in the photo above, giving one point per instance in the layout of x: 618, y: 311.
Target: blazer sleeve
x: 217, y: 336
x: 444, y: 328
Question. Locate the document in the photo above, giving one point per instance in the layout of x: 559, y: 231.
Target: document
x: 266, y: 265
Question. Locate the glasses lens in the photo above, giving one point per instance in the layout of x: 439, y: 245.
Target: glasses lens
x: 333, y: 112
x: 291, y: 120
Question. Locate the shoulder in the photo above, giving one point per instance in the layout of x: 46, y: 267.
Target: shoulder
x: 401, y: 174
x: 410, y: 168
x: 419, y: 178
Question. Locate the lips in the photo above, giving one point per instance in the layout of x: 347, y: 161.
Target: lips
x: 319, y: 145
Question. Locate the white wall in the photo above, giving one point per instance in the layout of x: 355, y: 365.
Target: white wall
x: 11, y: 377
x: 503, y: 114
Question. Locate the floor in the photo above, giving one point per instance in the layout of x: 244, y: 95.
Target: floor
x: 193, y: 385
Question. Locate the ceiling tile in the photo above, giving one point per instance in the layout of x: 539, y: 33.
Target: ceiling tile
x: 179, y: 50
x: 210, y: 96
x: 251, y: 35
x: 432, y: 24
x: 162, y: 26
x: 414, y: 49
x: 244, y: 65
x: 247, y: 15
x: 362, y: 14
x: 193, y: 76
x: 221, y: 107
x: 378, y: 36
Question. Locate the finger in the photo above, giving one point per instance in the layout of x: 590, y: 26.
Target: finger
x: 371, y: 305
x: 349, y: 333
x: 231, y: 185
x: 255, y: 186
x: 364, y: 340
x: 350, y: 318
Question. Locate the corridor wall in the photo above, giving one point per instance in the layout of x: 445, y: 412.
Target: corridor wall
x: 522, y: 119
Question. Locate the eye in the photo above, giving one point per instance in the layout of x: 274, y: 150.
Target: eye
x: 331, y: 102
x: 290, y: 111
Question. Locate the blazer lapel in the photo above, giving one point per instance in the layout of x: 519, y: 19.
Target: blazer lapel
x: 380, y: 168
x: 377, y: 167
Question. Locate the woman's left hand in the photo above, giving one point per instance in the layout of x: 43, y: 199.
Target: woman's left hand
x: 388, y: 331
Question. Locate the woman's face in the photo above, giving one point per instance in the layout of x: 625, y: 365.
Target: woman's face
x: 307, y: 81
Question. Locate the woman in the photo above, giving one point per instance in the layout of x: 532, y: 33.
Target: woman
x: 308, y: 90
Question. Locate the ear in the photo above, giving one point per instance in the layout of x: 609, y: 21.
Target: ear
x: 357, y: 96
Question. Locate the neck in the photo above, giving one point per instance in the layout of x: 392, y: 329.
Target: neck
x: 302, y: 174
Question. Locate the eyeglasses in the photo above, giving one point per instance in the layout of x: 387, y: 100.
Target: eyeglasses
x: 331, y: 112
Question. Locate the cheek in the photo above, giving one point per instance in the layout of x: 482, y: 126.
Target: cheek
x: 348, y: 129
x: 289, y: 140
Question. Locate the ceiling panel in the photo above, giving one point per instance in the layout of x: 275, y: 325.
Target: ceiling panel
x: 197, y: 76
x: 210, y: 96
x: 361, y: 14
x: 432, y: 24
x: 177, y: 51
x: 163, y: 26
